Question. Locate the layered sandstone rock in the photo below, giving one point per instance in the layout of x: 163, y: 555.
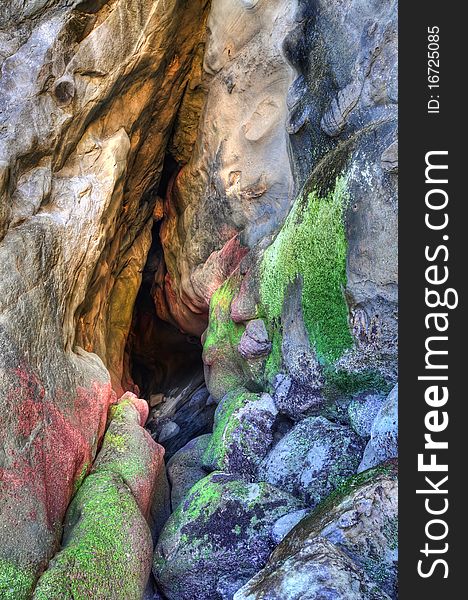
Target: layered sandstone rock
x: 237, y: 187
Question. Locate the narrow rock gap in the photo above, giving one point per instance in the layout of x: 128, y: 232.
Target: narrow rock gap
x: 165, y: 364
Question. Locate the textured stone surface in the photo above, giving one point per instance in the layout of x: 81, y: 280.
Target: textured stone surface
x: 242, y: 433
x: 185, y: 468
x: 313, y: 459
x: 107, y: 546
x: 362, y: 412
x: 361, y: 519
x: 231, y: 194
x: 182, y: 417
x: 345, y: 549
x: 284, y: 524
x: 254, y: 341
x: 88, y: 94
x: 218, y: 537
x: 265, y: 160
x: 383, y: 443
x: 318, y: 572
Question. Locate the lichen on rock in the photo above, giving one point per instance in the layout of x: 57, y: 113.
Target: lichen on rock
x: 218, y: 537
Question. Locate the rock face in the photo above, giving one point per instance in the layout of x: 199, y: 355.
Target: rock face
x: 198, y: 205
x: 218, y: 537
x: 185, y: 468
x: 242, y: 433
x: 313, y: 459
x: 231, y: 194
x: 88, y: 96
x: 319, y: 571
x: 344, y: 549
x: 383, y: 443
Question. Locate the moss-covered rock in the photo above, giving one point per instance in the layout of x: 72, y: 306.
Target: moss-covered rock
x: 312, y: 246
x: 320, y: 571
x: 360, y: 517
x: 15, y: 581
x: 313, y: 459
x: 218, y: 537
x: 107, y: 547
x: 129, y: 451
x: 242, y: 433
x: 224, y: 366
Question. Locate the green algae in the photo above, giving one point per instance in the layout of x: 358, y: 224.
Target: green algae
x: 106, y: 537
x: 226, y: 422
x: 273, y: 363
x: 115, y: 441
x: 311, y: 246
x: 16, y: 583
x: 117, y: 411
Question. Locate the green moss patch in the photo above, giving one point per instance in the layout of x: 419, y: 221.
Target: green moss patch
x: 339, y: 382
x: 16, y: 583
x: 99, y: 559
x: 221, y: 329
x: 311, y: 246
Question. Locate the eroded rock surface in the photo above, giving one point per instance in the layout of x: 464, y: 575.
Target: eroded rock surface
x: 242, y: 433
x: 218, y: 537
x: 107, y: 546
x: 345, y: 549
x: 179, y: 174
x: 231, y: 195
x: 88, y: 95
x: 313, y: 459
x: 185, y: 468
x: 383, y: 443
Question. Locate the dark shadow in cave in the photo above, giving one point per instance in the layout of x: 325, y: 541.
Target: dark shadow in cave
x: 165, y: 363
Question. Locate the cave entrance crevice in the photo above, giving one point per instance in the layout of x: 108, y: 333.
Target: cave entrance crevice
x: 164, y: 364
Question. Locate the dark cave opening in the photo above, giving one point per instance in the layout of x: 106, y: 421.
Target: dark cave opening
x: 165, y: 363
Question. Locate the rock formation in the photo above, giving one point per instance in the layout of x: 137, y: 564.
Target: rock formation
x: 197, y: 215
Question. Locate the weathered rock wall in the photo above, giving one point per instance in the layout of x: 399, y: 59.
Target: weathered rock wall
x: 278, y: 244
x: 89, y: 92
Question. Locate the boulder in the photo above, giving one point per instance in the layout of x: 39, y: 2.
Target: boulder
x: 361, y: 519
x: 218, y: 537
x: 313, y: 459
x: 254, y: 342
x: 362, y: 412
x: 185, y: 469
x: 318, y: 572
x: 383, y: 443
x: 346, y: 549
x: 284, y: 524
x: 107, y: 546
x: 242, y: 433
x: 182, y: 416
